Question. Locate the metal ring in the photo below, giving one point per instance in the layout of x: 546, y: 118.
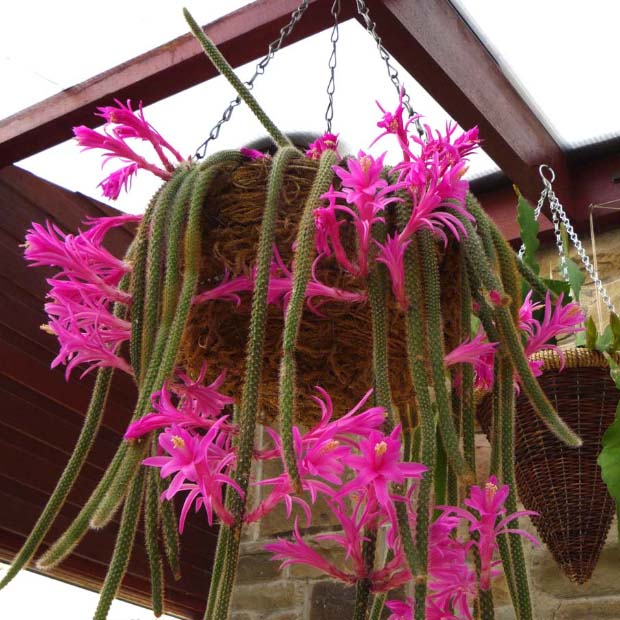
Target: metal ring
x: 543, y: 176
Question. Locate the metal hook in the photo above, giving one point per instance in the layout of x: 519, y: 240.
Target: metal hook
x: 543, y: 176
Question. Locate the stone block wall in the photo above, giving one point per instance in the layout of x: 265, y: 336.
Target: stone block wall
x: 263, y: 592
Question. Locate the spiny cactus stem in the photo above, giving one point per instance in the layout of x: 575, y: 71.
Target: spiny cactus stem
x: 221, y: 64
x: 221, y: 550
x: 362, y: 587
x: 228, y: 544
x: 510, y: 337
x: 92, y: 421
x: 138, y: 286
x: 119, y: 485
x: 507, y: 420
x: 169, y: 529
x: 416, y: 342
x: 151, y: 541
x: 65, y: 483
x: 156, y: 230
x: 378, y: 603
x: 123, y: 547
x: 432, y: 297
x: 304, y: 255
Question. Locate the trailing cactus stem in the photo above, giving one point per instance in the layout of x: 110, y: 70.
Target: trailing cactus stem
x: 221, y: 549
x: 79, y: 526
x: 151, y: 542
x: 466, y: 394
x: 123, y: 547
x: 169, y: 529
x: 507, y: 422
x: 156, y: 231
x: 378, y: 603
x: 509, y: 336
x: 228, y: 543
x: 119, y: 485
x: 88, y: 433
x: 362, y: 587
x: 138, y: 286
x: 304, y: 255
x: 221, y: 64
x: 416, y: 343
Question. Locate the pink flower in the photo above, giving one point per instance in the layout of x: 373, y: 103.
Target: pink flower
x: 227, y: 290
x: 253, y: 153
x: 132, y: 124
x: 200, y: 465
x: 393, y: 123
x: 478, y: 352
x: 197, y: 406
x: 392, y: 254
x: 82, y: 293
x: 299, y: 552
x: 378, y: 466
x: 122, y: 124
x: 327, y: 142
x: 401, y: 610
x: 489, y: 505
x: 362, y: 180
x: 526, y: 313
x: 328, y: 231
x: 561, y: 321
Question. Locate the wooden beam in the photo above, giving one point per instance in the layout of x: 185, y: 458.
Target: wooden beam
x: 242, y: 36
x: 434, y: 43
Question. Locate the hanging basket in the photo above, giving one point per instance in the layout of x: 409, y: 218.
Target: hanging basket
x: 564, y: 484
x: 335, y: 346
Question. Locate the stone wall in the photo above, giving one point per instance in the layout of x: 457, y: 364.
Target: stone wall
x: 263, y: 592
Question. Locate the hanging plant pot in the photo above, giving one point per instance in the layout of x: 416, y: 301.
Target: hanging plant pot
x: 564, y: 484
x: 335, y: 337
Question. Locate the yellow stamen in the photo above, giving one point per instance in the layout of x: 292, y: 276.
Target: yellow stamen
x: 48, y: 329
x: 380, y: 448
x: 365, y: 163
x: 490, y: 488
x: 178, y: 442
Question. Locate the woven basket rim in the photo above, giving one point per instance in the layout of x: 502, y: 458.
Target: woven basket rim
x: 571, y: 357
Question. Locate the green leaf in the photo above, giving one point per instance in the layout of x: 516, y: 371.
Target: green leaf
x: 609, y: 458
x: 605, y: 340
x: 614, y: 323
x: 591, y: 334
x: 614, y: 369
x: 576, y: 277
x: 558, y: 286
x: 529, y: 231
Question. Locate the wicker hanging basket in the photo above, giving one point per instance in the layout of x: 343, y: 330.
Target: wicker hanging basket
x: 564, y: 484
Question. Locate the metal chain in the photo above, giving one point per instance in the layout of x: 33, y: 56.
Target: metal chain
x: 331, y: 85
x: 274, y: 46
x: 559, y: 216
x: 539, y: 206
x: 371, y: 27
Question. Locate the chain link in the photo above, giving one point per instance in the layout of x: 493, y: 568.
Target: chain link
x: 559, y: 217
x: 331, y: 85
x: 274, y: 46
x: 371, y: 28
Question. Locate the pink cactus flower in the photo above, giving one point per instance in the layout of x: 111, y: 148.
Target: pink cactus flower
x: 122, y: 124
x: 401, y: 610
x: 392, y: 254
x: 186, y: 404
x: 362, y: 180
x: 327, y: 142
x: 478, y: 352
x: 253, y: 154
x: 227, y: 290
x: 299, y: 552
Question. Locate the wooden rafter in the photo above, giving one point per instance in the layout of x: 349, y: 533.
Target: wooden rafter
x: 428, y: 37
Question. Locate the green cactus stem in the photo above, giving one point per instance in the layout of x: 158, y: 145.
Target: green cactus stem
x: 304, y: 255
x: 228, y: 543
x: 68, y: 477
x: 509, y: 336
x: 362, y: 586
x: 151, y: 541
x: 169, y: 531
x: 221, y: 64
x: 123, y: 547
x: 432, y: 298
x: 507, y: 421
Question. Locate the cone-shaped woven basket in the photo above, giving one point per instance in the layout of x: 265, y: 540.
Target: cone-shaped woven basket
x: 564, y: 484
